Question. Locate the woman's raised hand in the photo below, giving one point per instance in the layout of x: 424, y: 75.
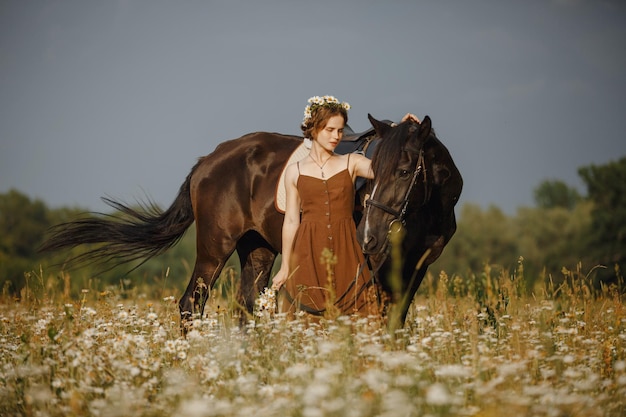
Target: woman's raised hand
x: 412, y: 117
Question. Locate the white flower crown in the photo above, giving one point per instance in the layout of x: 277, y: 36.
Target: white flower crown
x: 326, y: 101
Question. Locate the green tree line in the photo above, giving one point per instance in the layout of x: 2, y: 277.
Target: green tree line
x: 23, y: 227
x: 562, y: 232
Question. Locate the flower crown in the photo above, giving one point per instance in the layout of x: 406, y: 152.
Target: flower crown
x: 324, y: 101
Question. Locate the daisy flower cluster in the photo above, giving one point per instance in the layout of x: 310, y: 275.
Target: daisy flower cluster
x: 534, y: 356
x: 265, y: 304
x: 322, y: 101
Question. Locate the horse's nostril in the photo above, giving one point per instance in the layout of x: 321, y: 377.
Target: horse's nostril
x: 369, y: 243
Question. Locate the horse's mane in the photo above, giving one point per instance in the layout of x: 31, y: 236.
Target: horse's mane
x: 387, y: 155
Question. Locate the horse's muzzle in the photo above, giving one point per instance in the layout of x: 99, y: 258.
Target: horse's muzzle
x: 370, y: 245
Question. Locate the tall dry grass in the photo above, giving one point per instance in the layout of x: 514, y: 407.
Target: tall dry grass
x: 480, y: 347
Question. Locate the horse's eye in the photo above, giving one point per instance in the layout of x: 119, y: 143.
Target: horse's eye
x: 404, y: 174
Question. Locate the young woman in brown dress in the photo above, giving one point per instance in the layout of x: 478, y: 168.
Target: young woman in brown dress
x: 323, y: 271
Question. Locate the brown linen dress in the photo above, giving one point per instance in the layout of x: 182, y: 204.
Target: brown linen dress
x: 326, y: 229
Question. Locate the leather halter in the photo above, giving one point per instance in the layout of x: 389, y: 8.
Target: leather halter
x: 400, y: 215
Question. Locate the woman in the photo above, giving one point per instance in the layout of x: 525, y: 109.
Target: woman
x: 323, y: 269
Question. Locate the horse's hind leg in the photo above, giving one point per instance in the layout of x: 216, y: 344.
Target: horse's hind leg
x: 256, y: 258
x: 205, y: 273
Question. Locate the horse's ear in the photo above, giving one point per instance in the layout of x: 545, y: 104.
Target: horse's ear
x: 426, y: 128
x: 381, y: 128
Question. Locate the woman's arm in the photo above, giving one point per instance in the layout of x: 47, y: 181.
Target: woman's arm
x: 290, y: 225
x: 361, y: 166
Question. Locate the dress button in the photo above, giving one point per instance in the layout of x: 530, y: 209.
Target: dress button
x: 327, y: 213
x: 328, y: 226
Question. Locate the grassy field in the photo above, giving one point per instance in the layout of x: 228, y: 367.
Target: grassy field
x: 482, y: 350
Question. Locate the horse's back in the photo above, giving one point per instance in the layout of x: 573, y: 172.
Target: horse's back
x: 258, y: 150
x: 240, y: 175
x: 257, y: 139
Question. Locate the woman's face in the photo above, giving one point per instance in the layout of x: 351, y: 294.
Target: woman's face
x: 330, y: 135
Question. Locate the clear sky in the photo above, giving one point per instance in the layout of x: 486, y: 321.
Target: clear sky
x: 119, y: 98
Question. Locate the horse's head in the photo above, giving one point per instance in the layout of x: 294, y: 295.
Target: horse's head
x: 415, y: 187
x: 402, y: 184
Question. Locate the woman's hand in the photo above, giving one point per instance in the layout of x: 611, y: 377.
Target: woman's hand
x: 280, y: 278
x: 412, y: 117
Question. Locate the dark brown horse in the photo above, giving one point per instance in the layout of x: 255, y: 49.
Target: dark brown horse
x: 414, y: 193
x: 230, y: 195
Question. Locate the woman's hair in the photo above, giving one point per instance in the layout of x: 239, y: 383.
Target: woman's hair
x: 319, y: 118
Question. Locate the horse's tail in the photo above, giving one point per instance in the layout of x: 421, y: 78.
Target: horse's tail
x: 128, y: 236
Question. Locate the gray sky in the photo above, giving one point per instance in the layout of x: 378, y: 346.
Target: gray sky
x: 120, y: 98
